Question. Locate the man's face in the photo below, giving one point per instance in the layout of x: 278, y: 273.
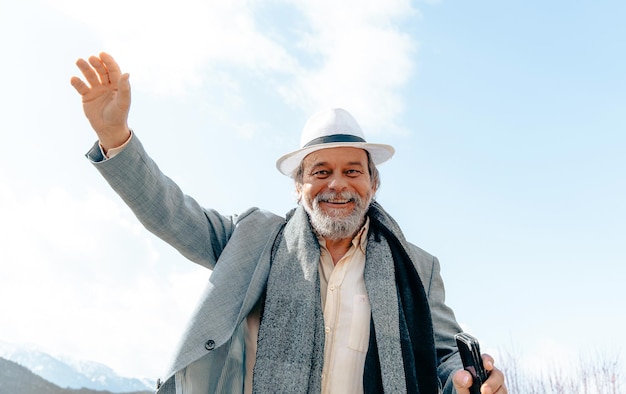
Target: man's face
x: 336, y: 190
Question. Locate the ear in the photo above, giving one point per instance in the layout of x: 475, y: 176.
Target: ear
x: 298, y: 191
x: 374, y: 185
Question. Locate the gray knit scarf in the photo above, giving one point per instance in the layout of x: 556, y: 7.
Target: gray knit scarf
x: 289, y: 359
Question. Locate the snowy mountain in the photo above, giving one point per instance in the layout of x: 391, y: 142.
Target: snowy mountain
x: 72, y: 374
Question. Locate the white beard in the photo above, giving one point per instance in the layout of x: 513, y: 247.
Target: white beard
x: 336, y: 227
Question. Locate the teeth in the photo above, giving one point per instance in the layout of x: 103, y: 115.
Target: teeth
x: 332, y: 198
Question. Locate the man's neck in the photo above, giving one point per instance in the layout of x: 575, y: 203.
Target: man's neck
x: 338, y: 247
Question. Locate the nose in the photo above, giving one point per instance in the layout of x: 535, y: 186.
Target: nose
x: 337, y: 182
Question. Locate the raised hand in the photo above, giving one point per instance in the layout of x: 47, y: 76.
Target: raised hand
x: 106, y: 98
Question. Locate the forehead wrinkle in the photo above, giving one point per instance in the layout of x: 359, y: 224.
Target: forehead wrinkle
x: 337, y: 154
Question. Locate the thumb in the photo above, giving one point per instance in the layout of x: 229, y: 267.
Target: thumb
x: 462, y: 381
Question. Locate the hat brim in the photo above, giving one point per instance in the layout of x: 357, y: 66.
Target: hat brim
x: 288, y: 163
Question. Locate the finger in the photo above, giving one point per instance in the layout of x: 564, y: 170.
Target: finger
x: 88, y: 72
x: 124, y: 91
x: 80, y: 86
x: 488, y: 362
x: 495, y: 382
x: 103, y: 73
x: 112, y: 67
x: 486, y: 389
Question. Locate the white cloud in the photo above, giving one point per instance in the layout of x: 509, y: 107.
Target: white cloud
x: 362, y: 58
x: 172, y: 45
x: 366, y: 60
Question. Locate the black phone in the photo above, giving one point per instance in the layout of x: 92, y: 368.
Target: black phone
x: 469, y: 349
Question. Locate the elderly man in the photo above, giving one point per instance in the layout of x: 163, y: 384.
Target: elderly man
x: 330, y: 299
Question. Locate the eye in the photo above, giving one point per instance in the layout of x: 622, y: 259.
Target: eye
x: 353, y: 173
x: 321, y: 173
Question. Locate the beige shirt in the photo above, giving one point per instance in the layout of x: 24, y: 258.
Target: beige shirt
x: 346, y: 317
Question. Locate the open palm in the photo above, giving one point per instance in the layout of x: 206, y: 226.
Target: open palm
x: 106, y: 98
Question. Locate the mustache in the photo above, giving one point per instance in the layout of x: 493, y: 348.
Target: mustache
x: 330, y: 196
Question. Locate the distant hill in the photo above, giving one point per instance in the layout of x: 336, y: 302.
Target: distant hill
x: 72, y: 373
x: 16, y: 379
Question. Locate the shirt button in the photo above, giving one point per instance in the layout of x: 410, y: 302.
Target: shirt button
x: 332, y: 287
x: 209, y: 345
x: 327, y: 330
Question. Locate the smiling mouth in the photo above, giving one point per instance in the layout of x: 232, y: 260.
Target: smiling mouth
x: 337, y: 202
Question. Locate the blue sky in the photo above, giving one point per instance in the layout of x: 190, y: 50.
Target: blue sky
x: 507, y: 117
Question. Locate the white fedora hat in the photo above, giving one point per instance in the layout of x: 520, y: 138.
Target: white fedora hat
x: 331, y: 128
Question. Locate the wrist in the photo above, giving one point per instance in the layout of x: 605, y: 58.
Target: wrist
x: 114, y: 139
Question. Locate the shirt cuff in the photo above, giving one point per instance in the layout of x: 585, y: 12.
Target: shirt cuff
x: 114, y: 151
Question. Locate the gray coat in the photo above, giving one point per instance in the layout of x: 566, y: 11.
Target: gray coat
x: 237, y: 248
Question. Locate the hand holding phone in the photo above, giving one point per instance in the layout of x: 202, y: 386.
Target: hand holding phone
x: 469, y: 349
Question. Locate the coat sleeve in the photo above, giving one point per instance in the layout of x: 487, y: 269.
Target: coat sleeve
x: 444, y: 321
x: 197, y: 233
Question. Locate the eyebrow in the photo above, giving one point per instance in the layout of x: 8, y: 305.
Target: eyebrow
x: 325, y: 163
